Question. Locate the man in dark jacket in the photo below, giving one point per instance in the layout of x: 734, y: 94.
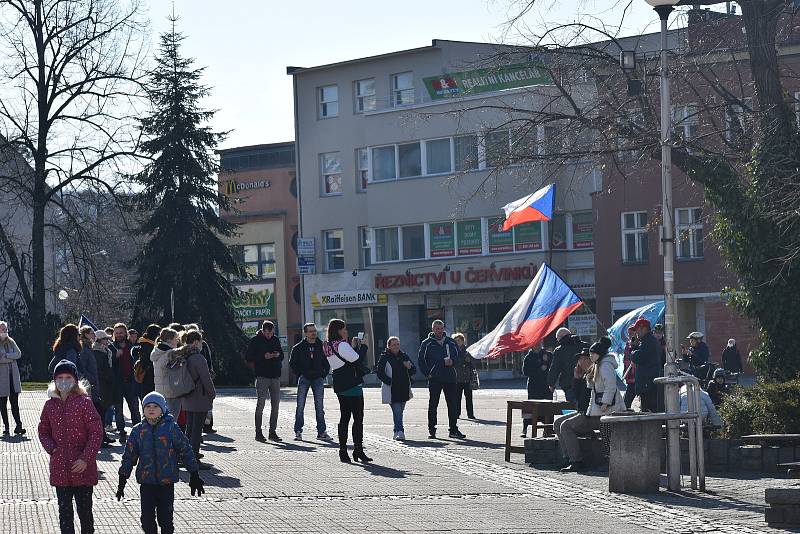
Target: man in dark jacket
x: 141, y: 353
x: 308, y: 362
x: 124, y: 380
x: 647, y: 357
x: 438, y: 359
x: 265, y: 357
x: 565, y: 357
x: 535, y: 366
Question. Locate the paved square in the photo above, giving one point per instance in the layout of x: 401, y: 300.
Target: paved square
x: 416, y: 486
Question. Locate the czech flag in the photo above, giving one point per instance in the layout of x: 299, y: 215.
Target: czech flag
x: 535, y: 207
x: 542, y: 308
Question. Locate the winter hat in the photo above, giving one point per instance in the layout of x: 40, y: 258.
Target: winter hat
x: 601, y: 347
x: 561, y: 333
x: 65, y: 366
x: 641, y: 321
x: 731, y: 342
x: 155, y: 397
x: 719, y: 372
x: 101, y: 334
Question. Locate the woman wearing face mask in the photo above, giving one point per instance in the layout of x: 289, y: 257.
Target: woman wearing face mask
x: 605, y: 400
x: 10, y: 384
x: 70, y: 432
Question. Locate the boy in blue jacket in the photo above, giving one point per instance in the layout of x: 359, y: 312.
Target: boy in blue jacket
x: 155, y: 445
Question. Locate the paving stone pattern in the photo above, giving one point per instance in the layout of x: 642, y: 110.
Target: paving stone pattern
x: 417, y: 486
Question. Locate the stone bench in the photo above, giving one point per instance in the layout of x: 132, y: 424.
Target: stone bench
x: 784, y: 507
x: 546, y: 452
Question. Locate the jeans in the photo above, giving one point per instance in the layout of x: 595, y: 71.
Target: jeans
x: 14, y: 409
x: 397, y: 415
x: 132, y: 400
x: 174, y: 407
x: 268, y: 387
x: 351, y: 406
x: 83, y: 501
x: 466, y: 389
x: 317, y: 386
x: 157, y: 502
x: 194, y: 429
x: 452, y: 398
x: 108, y: 417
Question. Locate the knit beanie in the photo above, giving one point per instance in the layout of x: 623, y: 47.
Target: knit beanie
x: 155, y: 398
x: 65, y: 366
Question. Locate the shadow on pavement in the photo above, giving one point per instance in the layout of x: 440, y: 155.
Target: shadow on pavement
x: 216, y: 437
x: 382, y: 471
x: 425, y: 444
x: 218, y: 448
x: 215, y: 479
x: 487, y: 422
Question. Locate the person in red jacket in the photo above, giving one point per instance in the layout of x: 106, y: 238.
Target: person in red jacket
x: 70, y: 431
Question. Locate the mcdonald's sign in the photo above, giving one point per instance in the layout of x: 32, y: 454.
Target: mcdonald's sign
x: 232, y: 186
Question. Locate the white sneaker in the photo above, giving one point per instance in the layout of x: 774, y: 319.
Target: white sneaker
x: 401, y: 436
x: 298, y: 436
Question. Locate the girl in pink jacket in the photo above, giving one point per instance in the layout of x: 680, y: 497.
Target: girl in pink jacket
x: 70, y: 431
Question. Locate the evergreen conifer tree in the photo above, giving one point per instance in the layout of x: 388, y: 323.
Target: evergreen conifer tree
x: 185, y: 260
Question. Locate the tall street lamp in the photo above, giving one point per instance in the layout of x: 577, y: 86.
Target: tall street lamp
x: 671, y: 400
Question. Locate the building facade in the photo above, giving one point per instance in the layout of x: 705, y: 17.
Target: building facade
x: 401, y: 185
x: 260, y: 181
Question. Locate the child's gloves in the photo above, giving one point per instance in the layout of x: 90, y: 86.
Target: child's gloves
x: 196, y: 484
x: 121, y: 487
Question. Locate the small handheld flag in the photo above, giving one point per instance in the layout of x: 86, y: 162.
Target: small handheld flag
x: 85, y: 321
x: 535, y: 207
x: 542, y: 308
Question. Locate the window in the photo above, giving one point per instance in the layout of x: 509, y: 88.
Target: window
x: 523, y: 144
x: 437, y: 156
x: 258, y: 260
x: 402, y: 89
x: 442, y: 240
x: 331, y: 164
x: 528, y: 236
x: 497, y: 148
x: 362, y: 170
x: 558, y: 232
x: 387, y: 244
x: 549, y: 143
x: 465, y: 148
x: 366, y: 247
x: 470, y: 238
x: 685, y: 122
x: 365, y: 95
x: 736, y: 119
x: 328, y: 101
x: 500, y: 241
x: 582, y: 230
x: 689, y: 232
x: 383, y: 163
x: 409, y: 159
x: 413, y: 242
x: 634, y: 237
x: 334, y: 250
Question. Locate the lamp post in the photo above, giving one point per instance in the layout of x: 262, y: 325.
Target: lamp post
x: 671, y: 401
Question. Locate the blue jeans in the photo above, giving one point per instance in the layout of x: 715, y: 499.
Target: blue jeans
x: 397, y: 415
x: 317, y: 386
x: 129, y: 396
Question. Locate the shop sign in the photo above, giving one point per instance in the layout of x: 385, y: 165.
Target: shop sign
x: 499, y: 241
x: 348, y: 298
x: 456, y: 278
x: 558, y: 235
x: 528, y: 236
x: 442, y: 240
x: 306, y: 255
x: 582, y: 230
x: 254, y: 301
x: 583, y: 325
x: 470, y: 240
x: 469, y: 82
x: 232, y: 186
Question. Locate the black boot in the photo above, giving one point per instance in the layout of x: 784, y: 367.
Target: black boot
x: 359, y: 456
x: 343, y: 456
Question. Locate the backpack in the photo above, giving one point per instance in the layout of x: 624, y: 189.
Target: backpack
x: 179, y: 378
x: 138, y: 371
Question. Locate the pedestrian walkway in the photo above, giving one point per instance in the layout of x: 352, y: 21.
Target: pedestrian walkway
x: 415, y: 486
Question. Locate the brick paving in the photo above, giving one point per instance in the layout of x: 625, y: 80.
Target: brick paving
x: 416, y: 486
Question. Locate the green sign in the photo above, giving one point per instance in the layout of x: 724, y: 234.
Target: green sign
x: 582, y: 230
x: 558, y: 232
x: 528, y: 236
x: 500, y: 241
x: 469, y: 82
x: 442, y: 240
x: 470, y: 241
x: 255, y: 301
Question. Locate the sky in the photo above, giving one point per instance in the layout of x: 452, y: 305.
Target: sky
x: 246, y: 45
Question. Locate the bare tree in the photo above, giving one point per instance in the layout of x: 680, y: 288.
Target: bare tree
x: 70, y: 94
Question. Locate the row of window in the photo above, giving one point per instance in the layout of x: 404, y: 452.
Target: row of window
x: 364, y: 95
x: 473, y: 237
x: 689, y: 233
x: 484, y: 236
x: 440, y: 156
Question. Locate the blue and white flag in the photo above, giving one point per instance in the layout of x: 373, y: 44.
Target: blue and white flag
x: 85, y: 321
x: 619, y: 331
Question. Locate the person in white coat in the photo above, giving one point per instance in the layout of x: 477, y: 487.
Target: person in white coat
x: 10, y: 384
x: 606, y: 399
x: 163, y: 353
x: 707, y: 410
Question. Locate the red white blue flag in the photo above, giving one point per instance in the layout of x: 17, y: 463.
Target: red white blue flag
x: 535, y: 207
x: 543, y: 307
